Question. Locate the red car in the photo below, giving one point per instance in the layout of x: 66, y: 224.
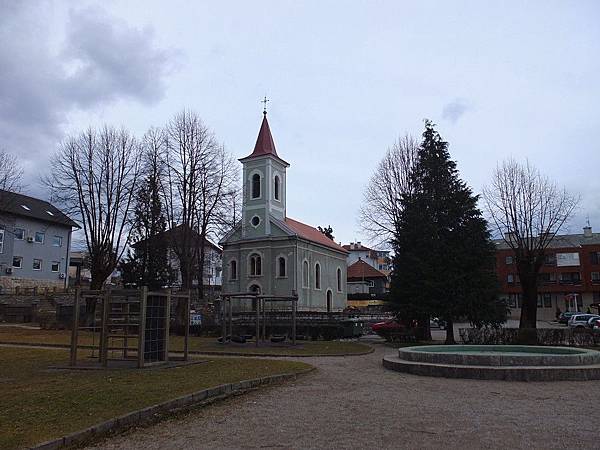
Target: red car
x: 389, y: 326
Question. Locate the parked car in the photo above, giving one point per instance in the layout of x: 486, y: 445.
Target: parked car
x: 581, y: 320
x: 565, y: 316
x: 388, y: 326
x: 594, y: 321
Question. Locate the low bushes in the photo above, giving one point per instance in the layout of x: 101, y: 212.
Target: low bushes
x: 579, y: 337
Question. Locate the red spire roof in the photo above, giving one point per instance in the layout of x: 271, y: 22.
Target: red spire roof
x: 264, y: 143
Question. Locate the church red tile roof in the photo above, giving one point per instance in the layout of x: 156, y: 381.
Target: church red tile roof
x: 264, y: 143
x: 312, y: 234
x: 362, y: 270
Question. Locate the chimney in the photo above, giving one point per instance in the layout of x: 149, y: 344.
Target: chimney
x: 351, y: 245
x: 358, y: 245
x: 587, y: 231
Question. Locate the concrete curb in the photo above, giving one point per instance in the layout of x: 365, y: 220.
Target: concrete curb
x: 153, y: 413
x: 370, y: 349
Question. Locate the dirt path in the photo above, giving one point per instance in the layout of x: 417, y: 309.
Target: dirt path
x: 353, y: 402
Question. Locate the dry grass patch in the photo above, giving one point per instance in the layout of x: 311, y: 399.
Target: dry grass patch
x: 40, y: 404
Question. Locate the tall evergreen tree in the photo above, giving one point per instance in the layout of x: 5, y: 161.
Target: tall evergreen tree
x: 148, y: 264
x: 444, y: 258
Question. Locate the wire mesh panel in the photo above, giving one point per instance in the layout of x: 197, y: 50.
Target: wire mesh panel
x: 156, y: 328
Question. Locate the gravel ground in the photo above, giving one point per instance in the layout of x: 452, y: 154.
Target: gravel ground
x: 353, y: 402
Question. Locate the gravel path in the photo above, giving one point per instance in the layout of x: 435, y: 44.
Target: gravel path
x: 353, y: 402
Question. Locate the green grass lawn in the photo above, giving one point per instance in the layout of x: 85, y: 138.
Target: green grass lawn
x: 38, y: 404
x: 200, y: 344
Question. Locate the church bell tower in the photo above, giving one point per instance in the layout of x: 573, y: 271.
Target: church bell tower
x: 264, y: 185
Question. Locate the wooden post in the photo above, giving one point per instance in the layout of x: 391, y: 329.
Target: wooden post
x: 104, y: 340
x: 223, y: 319
x: 142, y: 327
x: 230, y: 318
x: 187, y: 327
x: 167, y: 326
x: 75, y: 329
x: 264, y: 311
x: 294, y: 306
x: 258, y: 302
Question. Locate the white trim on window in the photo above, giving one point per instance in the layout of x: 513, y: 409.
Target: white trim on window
x: 305, y: 274
x: 318, y: 275
x: 39, y: 233
x: 19, y: 231
x: 57, y: 264
x: 37, y: 260
x: 285, y: 266
x: 20, y: 259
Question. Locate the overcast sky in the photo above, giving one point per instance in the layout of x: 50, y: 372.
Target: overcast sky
x: 345, y: 79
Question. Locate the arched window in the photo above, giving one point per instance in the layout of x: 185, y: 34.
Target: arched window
x: 339, y: 280
x: 317, y: 276
x: 329, y: 301
x: 255, y: 185
x: 276, y: 187
x: 281, y: 266
x: 305, y: 274
x: 255, y: 265
x: 233, y: 270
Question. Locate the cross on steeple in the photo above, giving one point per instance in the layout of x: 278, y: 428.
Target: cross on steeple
x: 264, y: 102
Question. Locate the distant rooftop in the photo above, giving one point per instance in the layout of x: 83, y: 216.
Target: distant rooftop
x: 563, y: 240
x: 22, y: 205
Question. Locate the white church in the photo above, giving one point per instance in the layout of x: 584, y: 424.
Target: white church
x: 270, y: 253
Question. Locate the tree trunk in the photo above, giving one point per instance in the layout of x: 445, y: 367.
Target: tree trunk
x: 450, y: 333
x: 528, y: 320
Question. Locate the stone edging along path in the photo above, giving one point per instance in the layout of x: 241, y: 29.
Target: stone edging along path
x: 370, y: 349
x: 153, y: 413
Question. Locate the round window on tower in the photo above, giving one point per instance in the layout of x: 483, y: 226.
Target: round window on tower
x: 255, y: 221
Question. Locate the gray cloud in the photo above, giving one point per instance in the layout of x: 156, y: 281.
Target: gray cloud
x: 455, y: 109
x: 101, y: 59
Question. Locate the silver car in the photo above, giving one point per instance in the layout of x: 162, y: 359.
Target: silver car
x: 581, y: 320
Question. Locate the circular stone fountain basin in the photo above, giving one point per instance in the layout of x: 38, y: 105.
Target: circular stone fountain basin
x: 502, y: 362
x: 500, y: 355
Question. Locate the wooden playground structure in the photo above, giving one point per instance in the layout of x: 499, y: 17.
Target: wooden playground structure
x: 259, y: 303
x: 133, y: 325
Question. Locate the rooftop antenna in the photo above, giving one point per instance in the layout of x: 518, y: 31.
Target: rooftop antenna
x: 264, y: 101
x: 587, y: 220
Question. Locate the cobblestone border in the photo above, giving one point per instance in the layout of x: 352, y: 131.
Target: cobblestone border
x: 370, y: 349
x: 153, y: 413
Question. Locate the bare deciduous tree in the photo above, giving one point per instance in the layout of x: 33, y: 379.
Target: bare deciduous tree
x: 528, y: 209
x: 381, y: 208
x: 11, y: 172
x: 92, y: 177
x: 188, y: 144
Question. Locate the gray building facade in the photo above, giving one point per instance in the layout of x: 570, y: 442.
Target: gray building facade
x: 35, y: 238
x: 272, y: 253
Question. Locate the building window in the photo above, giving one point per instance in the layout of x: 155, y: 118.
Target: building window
x: 19, y: 234
x: 276, y: 187
x: 37, y: 264
x: 55, y: 266
x: 255, y: 221
x: 233, y: 270
x: 339, y: 279
x: 547, y: 300
x: 317, y: 276
x: 595, y: 257
x: 2, y: 240
x: 17, y: 262
x: 550, y: 260
x: 281, y: 267
x: 547, y: 277
x: 57, y: 241
x: 509, y: 260
x: 305, y: 274
x: 595, y: 276
x: 510, y: 278
x: 39, y: 237
x: 255, y: 185
x: 255, y: 265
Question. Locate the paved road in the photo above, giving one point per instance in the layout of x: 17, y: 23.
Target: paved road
x: 354, y: 402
